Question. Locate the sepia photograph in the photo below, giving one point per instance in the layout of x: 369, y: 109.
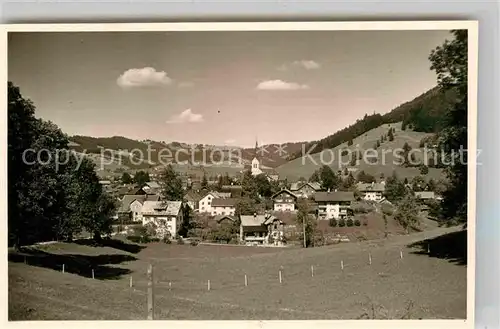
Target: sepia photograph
x: 201, y: 172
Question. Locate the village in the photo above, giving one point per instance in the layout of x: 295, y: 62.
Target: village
x: 218, y: 211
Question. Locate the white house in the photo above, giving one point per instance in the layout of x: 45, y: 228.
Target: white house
x: 371, y: 191
x: 166, y: 215
x: 284, y: 200
x: 205, y: 203
x: 223, y: 206
x: 261, y: 229
x: 334, y: 204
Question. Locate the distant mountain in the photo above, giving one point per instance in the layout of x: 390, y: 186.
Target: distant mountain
x: 128, y: 152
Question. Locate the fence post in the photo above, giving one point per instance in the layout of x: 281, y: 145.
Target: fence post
x: 342, y: 265
x: 63, y: 268
x: 131, y: 283
x: 92, y: 273
x: 280, y: 277
x: 312, y: 270
x: 208, y: 285
x: 370, y: 258
x: 150, y: 293
x: 428, y: 248
x: 246, y: 280
x: 401, y: 254
x: 169, y: 286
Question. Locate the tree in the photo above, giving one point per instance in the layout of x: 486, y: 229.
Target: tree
x: 377, y: 145
x: 350, y: 142
x: 314, y: 177
x: 204, y: 182
x: 48, y: 200
x: 246, y: 206
x: 386, y: 231
x: 187, y: 223
x: 403, y: 125
x: 264, y: 187
x: 349, y: 181
x: 390, y: 135
x: 395, y: 190
x: 449, y: 61
x: 424, y: 170
x: 431, y: 185
x: 365, y: 178
x: 249, y: 186
x: 406, y: 213
x: 306, y: 221
x: 171, y: 185
x: 126, y: 178
x: 141, y: 178
x: 329, y: 181
x: 418, y: 184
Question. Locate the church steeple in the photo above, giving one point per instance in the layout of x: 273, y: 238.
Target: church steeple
x: 256, y: 149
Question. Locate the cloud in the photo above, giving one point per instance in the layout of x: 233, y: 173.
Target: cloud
x: 143, y: 77
x: 280, y: 85
x: 306, y: 64
x: 186, y: 84
x: 185, y: 117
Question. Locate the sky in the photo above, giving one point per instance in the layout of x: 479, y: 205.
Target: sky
x: 219, y: 87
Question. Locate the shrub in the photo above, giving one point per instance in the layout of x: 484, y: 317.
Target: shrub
x: 167, y: 240
x: 332, y: 222
x: 357, y: 222
x: 361, y: 209
x: 135, y: 238
x: 349, y: 222
x: 180, y: 240
x: 341, y: 222
x: 154, y: 240
x: 194, y: 242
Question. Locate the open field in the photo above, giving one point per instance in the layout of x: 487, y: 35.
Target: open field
x: 420, y: 285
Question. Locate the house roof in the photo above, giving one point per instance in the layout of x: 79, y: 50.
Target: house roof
x: 193, y: 196
x: 165, y: 208
x: 333, y: 196
x: 224, y: 202
x: 298, y: 185
x: 218, y: 195
x: 232, y: 187
x: 220, y: 218
x: 153, y: 185
x: 370, y: 187
x: 287, y: 191
x: 257, y: 220
x: 128, y: 199
x: 425, y: 195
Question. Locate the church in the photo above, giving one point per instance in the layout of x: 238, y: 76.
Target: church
x: 255, y: 170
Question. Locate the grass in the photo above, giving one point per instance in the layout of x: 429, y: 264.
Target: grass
x: 435, y: 287
x: 304, y: 167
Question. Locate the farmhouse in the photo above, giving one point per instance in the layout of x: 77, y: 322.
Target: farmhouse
x: 235, y: 190
x: 165, y: 215
x: 205, y: 203
x: 284, y: 200
x: 305, y: 189
x: 334, y: 204
x: 261, y: 229
x: 192, y: 199
x: 224, y: 206
x: 131, y: 205
x: 371, y: 191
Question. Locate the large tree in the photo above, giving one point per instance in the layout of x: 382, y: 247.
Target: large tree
x: 306, y: 221
x: 52, y: 193
x: 406, y: 213
x: 449, y: 61
x: 141, y: 177
x: 171, y: 185
x: 395, y: 189
x: 329, y: 180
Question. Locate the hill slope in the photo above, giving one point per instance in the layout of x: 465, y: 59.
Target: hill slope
x: 386, y: 156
